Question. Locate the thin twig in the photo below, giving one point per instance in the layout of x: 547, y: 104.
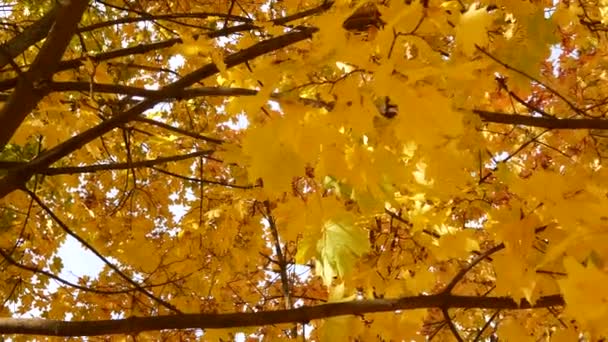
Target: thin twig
x: 451, y: 325
x: 37, y: 271
x: 458, y: 277
x: 282, y: 262
x: 532, y: 78
x: 485, y: 326
x: 121, y: 166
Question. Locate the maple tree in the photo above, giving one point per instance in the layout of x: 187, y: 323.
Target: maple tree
x: 326, y: 170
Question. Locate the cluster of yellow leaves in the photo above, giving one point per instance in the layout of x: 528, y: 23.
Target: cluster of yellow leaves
x: 317, y: 144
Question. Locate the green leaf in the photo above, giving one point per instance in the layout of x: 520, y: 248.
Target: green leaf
x: 339, y: 248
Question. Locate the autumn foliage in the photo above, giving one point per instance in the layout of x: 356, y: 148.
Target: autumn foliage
x: 348, y: 170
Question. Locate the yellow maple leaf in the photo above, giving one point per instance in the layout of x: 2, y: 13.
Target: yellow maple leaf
x: 514, y: 276
x: 581, y: 281
x: 472, y: 29
x: 511, y: 330
x: 273, y: 158
x: 457, y: 245
x: 423, y: 280
x: 189, y: 46
x: 218, y: 58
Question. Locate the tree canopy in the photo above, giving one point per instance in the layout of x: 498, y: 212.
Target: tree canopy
x: 348, y: 170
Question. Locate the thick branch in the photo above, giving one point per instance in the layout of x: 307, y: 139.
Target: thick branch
x: 103, y: 56
x: 30, y: 88
x: 182, y: 94
x: 544, y: 122
x: 206, y: 71
x: 244, y: 319
x: 13, y: 181
x: 145, y: 48
x: 32, y: 34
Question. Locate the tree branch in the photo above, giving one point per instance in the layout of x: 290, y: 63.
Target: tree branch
x: 282, y: 263
x: 103, y: 56
x: 101, y: 257
x: 531, y: 78
x: 134, y: 325
x: 121, y: 166
x: 182, y: 94
x: 458, y: 277
x: 32, y: 34
x: 177, y: 130
x: 485, y: 255
x: 30, y: 87
x: 206, y: 181
x: 149, y: 17
x: 144, y: 48
x: 37, y: 271
x: 13, y: 180
x: 451, y: 325
x: 486, y: 325
x: 544, y: 122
